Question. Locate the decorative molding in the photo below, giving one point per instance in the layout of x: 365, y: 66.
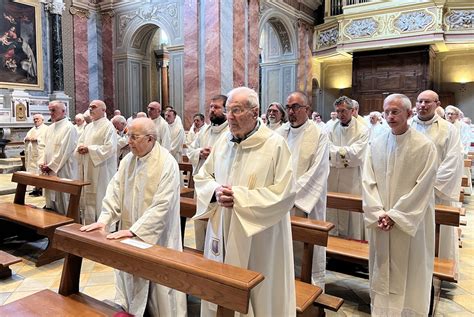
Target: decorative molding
x: 282, y: 34
x: 361, y: 28
x: 56, y: 6
x: 460, y: 19
x: 328, y: 37
x: 80, y: 12
x: 413, y: 21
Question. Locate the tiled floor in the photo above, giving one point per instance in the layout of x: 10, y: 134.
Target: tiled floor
x: 98, y: 280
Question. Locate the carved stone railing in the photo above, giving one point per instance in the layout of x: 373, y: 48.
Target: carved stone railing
x: 385, y: 24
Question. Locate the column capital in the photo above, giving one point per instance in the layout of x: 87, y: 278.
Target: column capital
x: 54, y: 6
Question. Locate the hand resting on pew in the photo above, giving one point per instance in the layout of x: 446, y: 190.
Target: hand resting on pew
x: 114, y: 235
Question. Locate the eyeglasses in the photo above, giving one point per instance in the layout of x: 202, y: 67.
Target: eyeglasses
x: 425, y: 101
x: 338, y: 111
x: 135, y: 137
x: 293, y: 107
x: 235, y: 111
x: 451, y: 114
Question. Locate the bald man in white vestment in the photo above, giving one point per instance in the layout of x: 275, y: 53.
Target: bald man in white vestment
x: 398, y: 201
x: 309, y: 147
x: 57, y: 154
x: 96, y: 153
x: 144, y: 196
x: 201, y: 147
x: 162, y: 128
x: 448, y: 146
x: 32, y: 138
x: 246, y: 189
x: 348, y: 140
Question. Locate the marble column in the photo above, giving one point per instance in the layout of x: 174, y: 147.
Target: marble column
x: 107, y: 61
x: 191, y: 62
x: 81, y: 67
x: 212, y: 50
x: 304, y: 72
x: 56, y: 7
x: 162, y: 62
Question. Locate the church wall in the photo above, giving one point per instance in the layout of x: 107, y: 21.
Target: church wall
x: 336, y: 80
x: 192, y: 101
x: 81, y: 64
x: 455, y: 74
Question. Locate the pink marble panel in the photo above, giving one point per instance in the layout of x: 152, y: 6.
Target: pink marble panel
x: 212, y: 50
x: 191, y: 63
x: 107, y: 63
x: 81, y: 69
x: 253, y: 61
x: 239, y: 43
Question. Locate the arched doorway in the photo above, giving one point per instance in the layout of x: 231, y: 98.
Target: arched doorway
x: 278, y: 60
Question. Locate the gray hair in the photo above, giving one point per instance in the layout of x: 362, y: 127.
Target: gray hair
x: 147, y: 126
x: 376, y: 114
x: 284, y: 114
x: 405, y: 101
x: 355, y: 104
x: 453, y: 108
x: 344, y: 100
x: 252, y: 96
x: 58, y: 103
x: 119, y: 119
x: 302, y: 95
x: 80, y: 116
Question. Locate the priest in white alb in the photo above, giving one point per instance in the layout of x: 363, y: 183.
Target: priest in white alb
x: 310, y: 161
x: 162, y: 128
x: 348, y: 140
x: 96, y: 153
x: 57, y: 154
x: 144, y: 196
x: 246, y: 189
x: 398, y: 201
x: 32, y: 139
x: 201, y: 147
x: 176, y: 133
x: 446, y: 138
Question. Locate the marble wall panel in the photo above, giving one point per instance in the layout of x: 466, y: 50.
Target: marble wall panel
x: 239, y: 43
x: 107, y: 62
x: 212, y: 49
x: 191, y: 62
x: 226, y: 38
x: 81, y: 75
x: 253, y: 45
x: 93, y: 56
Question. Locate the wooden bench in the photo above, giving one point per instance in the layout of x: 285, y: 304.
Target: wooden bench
x: 467, y: 163
x: 225, y: 285
x: 6, y: 260
x: 311, y: 233
x: 358, y: 252
x: 72, y: 187
x: 187, y: 169
x: 464, y: 181
x: 42, y: 221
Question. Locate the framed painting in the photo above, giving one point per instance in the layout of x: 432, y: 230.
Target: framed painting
x: 21, y: 56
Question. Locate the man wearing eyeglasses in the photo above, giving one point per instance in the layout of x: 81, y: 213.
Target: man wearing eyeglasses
x: 144, y: 196
x: 448, y: 177
x: 309, y: 149
x: 347, y: 144
x: 246, y: 189
x: 96, y: 153
x: 162, y: 128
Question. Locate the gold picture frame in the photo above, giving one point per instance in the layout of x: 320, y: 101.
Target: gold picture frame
x: 21, y: 53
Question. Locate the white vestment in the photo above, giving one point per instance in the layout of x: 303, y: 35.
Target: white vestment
x: 274, y: 126
x: 31, y: 148
x: 98, y: 166
x: 122, y: 145
x: 57, y: 153
x: 375, y: 130
x: 346, y: 154
x: 80, y: 129
x: 447, y: 186
x: 310, y: 161
x: 163, y: 130
x: 256, y: 233
x: 330, y: 124
x: 399, y: 177
x: 207, y: 138
x: 177, y: 140
x: 144, y: 196
x: 192, y: 135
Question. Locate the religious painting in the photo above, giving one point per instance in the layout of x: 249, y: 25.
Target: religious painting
x: 21, y: 63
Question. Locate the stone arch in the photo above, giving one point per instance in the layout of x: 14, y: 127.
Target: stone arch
x: 278, y: 63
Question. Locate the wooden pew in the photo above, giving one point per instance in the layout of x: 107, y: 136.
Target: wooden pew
x: 72, y: 187
x: 187, y: 169
x: 42, y: 221
x: 225, y: 285
x: 467, y: 163
x: 464, y: 181
x: 358, y: 252
x: 310, y: 233
x: 6, y: 260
